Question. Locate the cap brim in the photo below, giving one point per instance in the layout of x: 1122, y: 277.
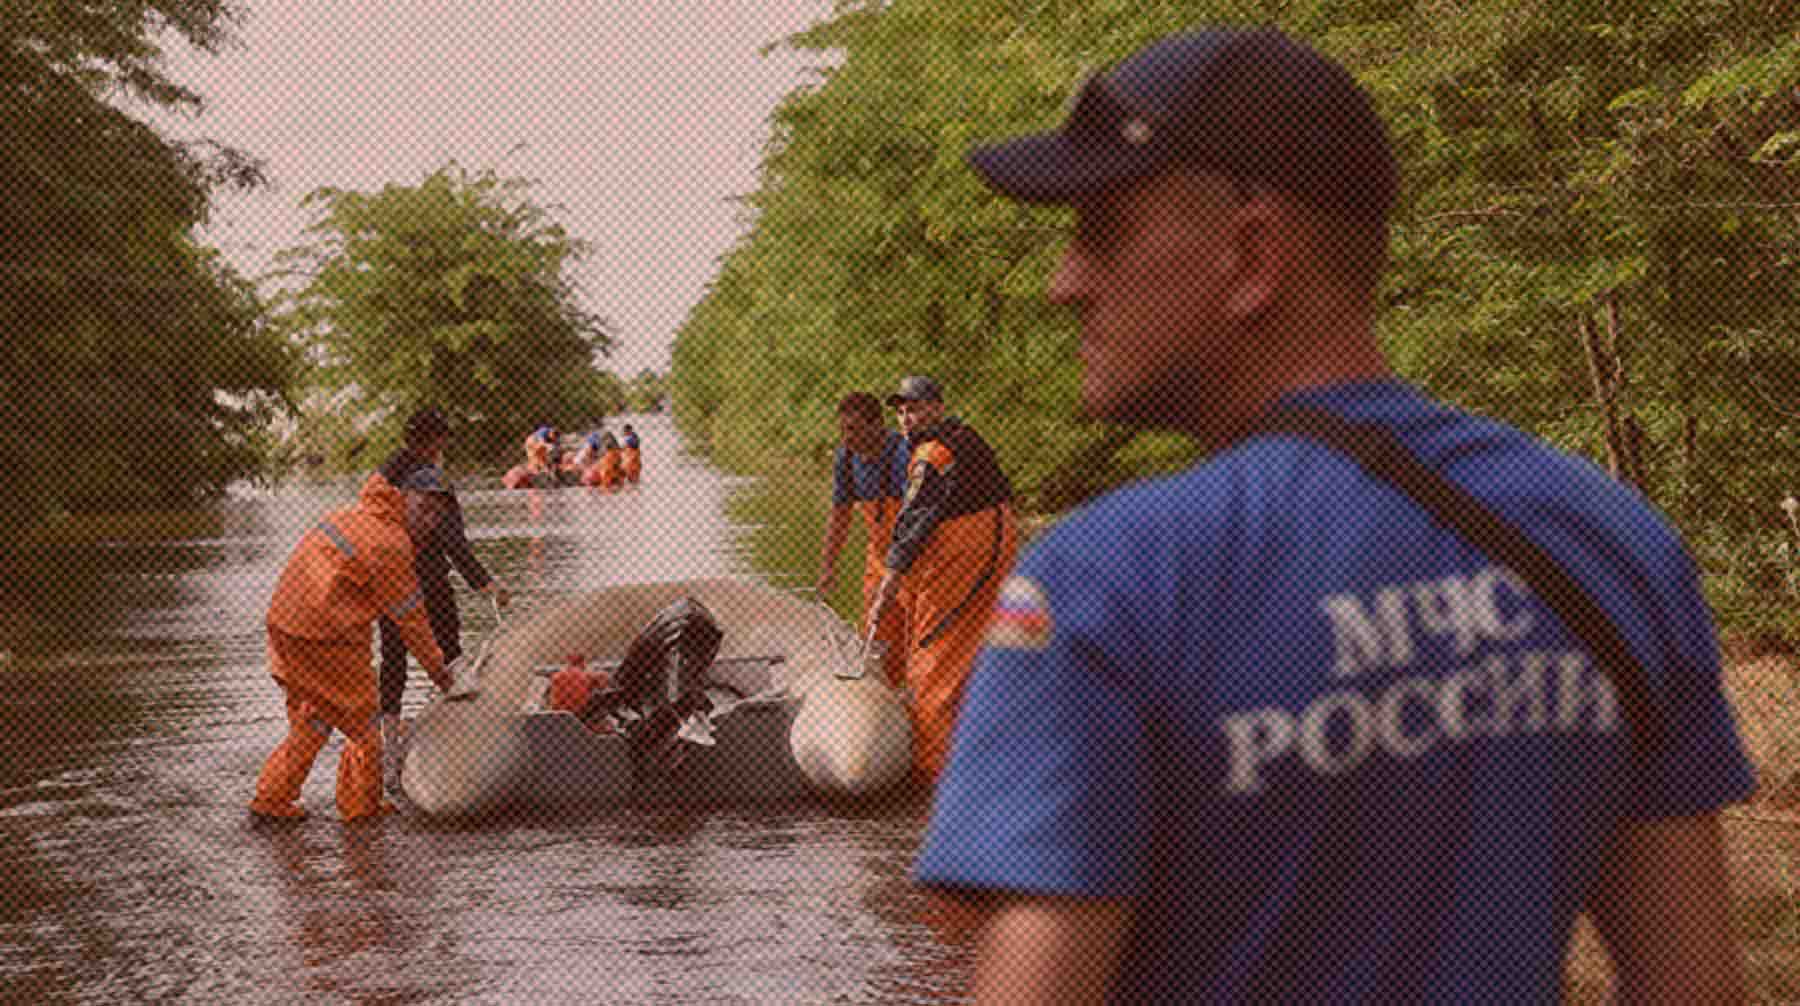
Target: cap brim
x: 894, y: 400
x: 1047, y: 168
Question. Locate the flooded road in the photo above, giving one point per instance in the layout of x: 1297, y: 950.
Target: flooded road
x: 136, y: 708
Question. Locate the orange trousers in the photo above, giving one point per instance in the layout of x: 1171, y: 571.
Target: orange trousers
x: 604, y: 473
x: 954, y: 585
x: 633, y: 464
x: 359, y: 767
x: 301, y: 667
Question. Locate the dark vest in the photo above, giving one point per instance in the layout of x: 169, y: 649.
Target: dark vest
x: 977, y: 484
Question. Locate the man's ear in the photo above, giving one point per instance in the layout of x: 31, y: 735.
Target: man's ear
x: 1256, y: 257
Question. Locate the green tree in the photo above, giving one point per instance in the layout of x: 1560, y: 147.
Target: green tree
x: 646, y: 392
x: 120, y: 329
x: 876, y: 252
x: 454, y: 292
x: 1598, y: 240
x: 1601, y: 241
x: 602, y: 395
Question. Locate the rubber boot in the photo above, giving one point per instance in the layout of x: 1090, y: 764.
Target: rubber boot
x: 359, y: 776
x: 278, y: 785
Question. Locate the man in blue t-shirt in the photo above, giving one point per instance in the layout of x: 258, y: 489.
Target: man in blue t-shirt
x: 1266, y: 730
x: 868, y: 475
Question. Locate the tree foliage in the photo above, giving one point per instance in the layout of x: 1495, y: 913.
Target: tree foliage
x: 456, y: 293
x: 121, y: 330
x: 1597, y: 239
x: 646, y: 392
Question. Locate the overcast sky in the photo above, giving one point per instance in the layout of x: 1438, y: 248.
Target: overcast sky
x: 640, y: 119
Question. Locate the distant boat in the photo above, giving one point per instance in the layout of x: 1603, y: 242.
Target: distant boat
x: 504, y: 749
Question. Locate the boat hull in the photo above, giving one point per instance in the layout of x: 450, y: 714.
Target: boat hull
x: 501, y: 749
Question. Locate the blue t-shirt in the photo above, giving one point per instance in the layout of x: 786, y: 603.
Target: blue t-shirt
x: 1333, y: 751
x: 884, y: 478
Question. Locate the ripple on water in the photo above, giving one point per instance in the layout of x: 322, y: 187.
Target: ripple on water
x: 131, y: 738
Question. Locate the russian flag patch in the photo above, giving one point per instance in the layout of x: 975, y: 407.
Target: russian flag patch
x: 1021, y: 616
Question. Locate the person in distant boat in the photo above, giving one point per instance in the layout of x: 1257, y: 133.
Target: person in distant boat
x: 868, y: 477
x: 954, y: 543
x: 427, y: 437
x: 350, y: 569
x: 631, y: 459
x: 541, y: 450
x: 594, y: 447
x: 604, y: 468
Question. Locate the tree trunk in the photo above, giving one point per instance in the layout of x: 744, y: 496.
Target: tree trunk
x: 1624, y: 438
x: 935, y: 325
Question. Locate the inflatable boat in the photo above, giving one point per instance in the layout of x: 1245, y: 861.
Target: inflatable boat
x: 708, y: 679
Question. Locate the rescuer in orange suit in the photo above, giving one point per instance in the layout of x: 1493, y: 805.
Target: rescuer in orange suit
x: 868, y: 476
x: 354, y: 566
x: 954, y: 543
x: 608, y: 471
x: 612, y: 462
x: 632, y: 459
x: 541, y: 450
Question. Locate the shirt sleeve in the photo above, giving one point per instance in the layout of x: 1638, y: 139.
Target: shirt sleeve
x: 843, y: 492
x: 1700, y: 765
x: 1044, y: 792
x: 454, y: 538
x: 923, y: 507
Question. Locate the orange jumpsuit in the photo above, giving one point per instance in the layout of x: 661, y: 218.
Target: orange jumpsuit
x: 631, y: 463
x: 955, y: 540
x: 351, y: 568
x: 537, y: 455
x: 611, y: 467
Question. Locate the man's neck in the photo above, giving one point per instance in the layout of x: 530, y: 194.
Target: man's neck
x: 874, y: 450
x: 1315, y: 351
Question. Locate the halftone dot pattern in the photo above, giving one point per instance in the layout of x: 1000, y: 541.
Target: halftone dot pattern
x: 578, y: 215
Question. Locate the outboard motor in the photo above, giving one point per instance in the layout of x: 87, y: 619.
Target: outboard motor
x: 661, y: 683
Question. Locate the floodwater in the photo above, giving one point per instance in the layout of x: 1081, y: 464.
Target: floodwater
x: 136, y: 709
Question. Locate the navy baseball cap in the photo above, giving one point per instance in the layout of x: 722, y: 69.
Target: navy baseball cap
x: 426, y: 479
x: 917, y: 388
x: 1251, y: 104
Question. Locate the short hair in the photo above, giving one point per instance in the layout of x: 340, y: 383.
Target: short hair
x: 424, y: 426
x: 1353, y: 249
x: 860, y: 403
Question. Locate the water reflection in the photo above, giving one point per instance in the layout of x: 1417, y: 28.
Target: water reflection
x: 136, y: 710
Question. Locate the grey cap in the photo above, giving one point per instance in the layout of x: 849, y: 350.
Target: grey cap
x: 427, y: 479
x: 917, y: 388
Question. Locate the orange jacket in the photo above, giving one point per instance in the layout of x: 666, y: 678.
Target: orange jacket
x: 353, y: 567
x: 537, y: 453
